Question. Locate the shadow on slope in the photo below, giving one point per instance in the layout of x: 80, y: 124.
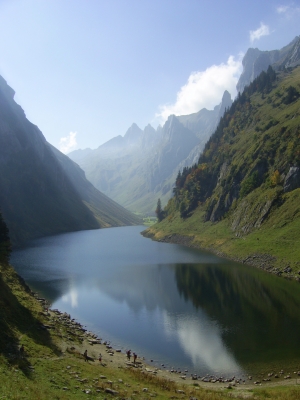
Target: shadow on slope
x: 18, y: 319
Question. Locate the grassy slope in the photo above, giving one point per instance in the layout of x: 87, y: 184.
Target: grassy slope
x: 278, y: 235
x: 47, y: 372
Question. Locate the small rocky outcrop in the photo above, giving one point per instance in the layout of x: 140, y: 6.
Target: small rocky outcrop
x: 292, y: 180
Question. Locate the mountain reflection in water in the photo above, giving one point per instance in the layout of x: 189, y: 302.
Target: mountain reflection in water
x: 178, y: 306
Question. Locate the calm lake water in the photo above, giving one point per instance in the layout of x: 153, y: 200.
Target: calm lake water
x: 180, y: 307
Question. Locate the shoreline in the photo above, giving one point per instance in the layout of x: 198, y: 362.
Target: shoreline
x: 257, y: 260
x: 75, y: 339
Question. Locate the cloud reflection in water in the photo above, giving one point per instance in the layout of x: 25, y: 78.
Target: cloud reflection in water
x: 201, y: 340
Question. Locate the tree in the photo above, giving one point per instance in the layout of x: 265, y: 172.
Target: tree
x: 275, y: 178
x: 159, y: 212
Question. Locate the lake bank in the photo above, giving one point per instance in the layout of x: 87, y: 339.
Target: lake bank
x: 266, y: 262
x: 77, y: 340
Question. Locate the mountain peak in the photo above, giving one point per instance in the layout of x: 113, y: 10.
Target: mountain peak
x: 255, y: 61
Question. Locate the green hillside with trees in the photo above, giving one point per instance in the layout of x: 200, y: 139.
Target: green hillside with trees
x: 242, y: 197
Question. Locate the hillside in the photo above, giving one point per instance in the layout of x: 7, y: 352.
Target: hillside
x: 242, y: 197
x: 42, y: 192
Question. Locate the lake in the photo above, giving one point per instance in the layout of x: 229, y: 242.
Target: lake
x: 177, y: 306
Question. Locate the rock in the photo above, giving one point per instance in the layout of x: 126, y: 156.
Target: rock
x: 111, y: 391
x: 292, y: 180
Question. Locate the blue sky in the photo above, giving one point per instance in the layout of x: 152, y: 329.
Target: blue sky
x: 85, y: 70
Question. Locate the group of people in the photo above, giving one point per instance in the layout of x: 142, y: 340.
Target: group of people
x: 128, y: 353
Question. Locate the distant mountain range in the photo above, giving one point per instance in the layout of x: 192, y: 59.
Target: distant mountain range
x: 43, y: 192
x: 137, y: 169
x: 140, y: 167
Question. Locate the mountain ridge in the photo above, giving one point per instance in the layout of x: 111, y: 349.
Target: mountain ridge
x: 37, y: 196
x: 136, y: 175
x: 242, y: 197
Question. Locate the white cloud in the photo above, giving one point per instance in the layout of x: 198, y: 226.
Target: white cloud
x: 282, y: 9
x: 288, y: 11
x: 263, y: 30
x: 204, y: 89
x: 67, y: 144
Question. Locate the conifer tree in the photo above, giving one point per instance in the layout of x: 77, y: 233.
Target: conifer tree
x: 159, y: 212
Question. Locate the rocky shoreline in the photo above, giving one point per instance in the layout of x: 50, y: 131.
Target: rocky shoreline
x: 261, y: 261
x: 74, y: 338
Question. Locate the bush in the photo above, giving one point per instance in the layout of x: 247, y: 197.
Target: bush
x: 249, y: 184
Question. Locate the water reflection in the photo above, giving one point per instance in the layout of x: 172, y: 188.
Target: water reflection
x: 258, y: 312
x: 178, y: 306
x: 201, y: 340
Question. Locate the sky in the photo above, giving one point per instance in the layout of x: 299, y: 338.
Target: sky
x: 85, y: 70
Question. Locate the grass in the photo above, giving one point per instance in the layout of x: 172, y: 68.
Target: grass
x: 278, y: 236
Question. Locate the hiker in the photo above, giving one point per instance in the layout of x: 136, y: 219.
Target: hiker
x: 22, y: 351
x: 100, y: 357
x: 85, y: 355
x: 134, y: 357
x: 128, y: 352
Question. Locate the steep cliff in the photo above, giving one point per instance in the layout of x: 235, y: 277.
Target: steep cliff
x: 37, y: 196
x: 255, y: 61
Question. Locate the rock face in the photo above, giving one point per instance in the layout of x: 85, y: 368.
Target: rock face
x: 136, y: 169
x: 255, y: 61
x: 42, y: 192
x: 292, y: 180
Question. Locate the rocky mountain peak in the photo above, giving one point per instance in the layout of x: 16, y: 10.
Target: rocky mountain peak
x: 6, y: 89
x: 255, y: 61
x: 225, y: 103
x: 133, y: 135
